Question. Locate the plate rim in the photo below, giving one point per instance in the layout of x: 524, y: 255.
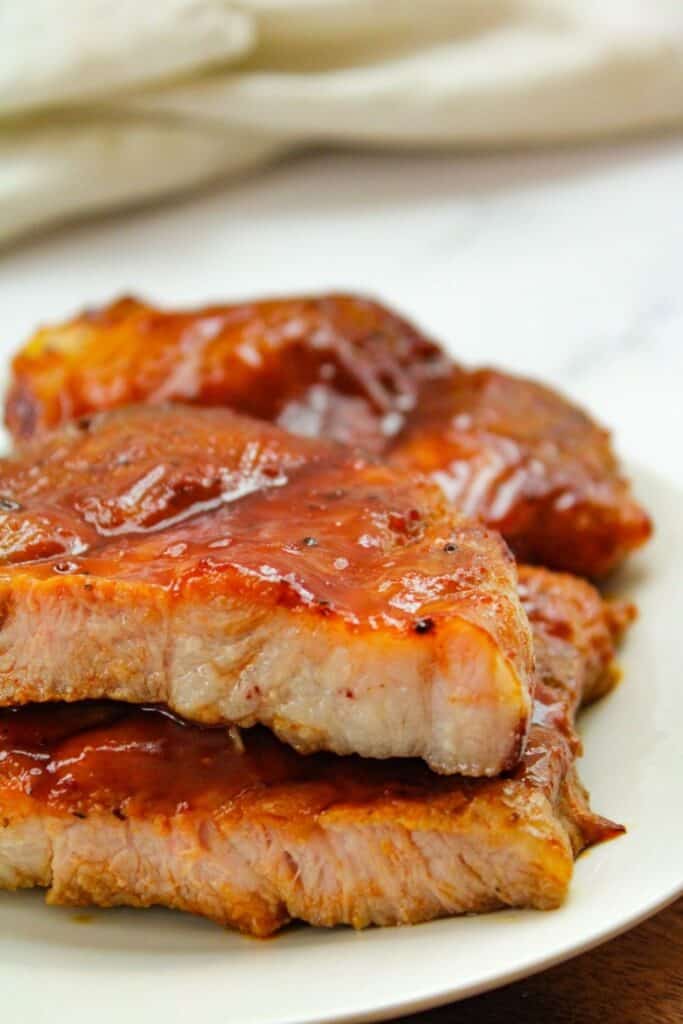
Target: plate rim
x: 405, y: 1008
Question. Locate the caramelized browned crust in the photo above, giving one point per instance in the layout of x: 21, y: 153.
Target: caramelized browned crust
x: 241, y: 574
x: 511, y: 451
x: 575, y: 631
x: 530, y: 464
x: 108, y: 804
x: 335, y: 366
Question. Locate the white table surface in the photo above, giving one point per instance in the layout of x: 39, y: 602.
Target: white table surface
x: 566, y: 265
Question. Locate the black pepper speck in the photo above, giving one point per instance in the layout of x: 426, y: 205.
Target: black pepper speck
x: 423, y: 626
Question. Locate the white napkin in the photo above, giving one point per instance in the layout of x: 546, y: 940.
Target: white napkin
x: 105, y: 102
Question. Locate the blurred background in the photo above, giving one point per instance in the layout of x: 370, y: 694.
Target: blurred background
x: 509, y: 173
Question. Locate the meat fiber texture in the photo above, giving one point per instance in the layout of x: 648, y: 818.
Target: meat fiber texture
x: 109, y: 805
x: 242, y: 575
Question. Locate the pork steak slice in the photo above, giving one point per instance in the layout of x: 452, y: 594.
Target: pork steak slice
x: 104, y: 804
x: 240, y: 574
x: 519, y: 455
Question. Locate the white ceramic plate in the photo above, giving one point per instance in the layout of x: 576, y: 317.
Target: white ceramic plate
x: 133, y: 966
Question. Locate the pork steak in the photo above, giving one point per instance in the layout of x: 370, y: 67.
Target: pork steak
x: 515, y: 453
x: 109, y: 805
x: 240, y: 574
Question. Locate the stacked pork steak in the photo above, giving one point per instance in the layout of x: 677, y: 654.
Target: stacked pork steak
x: 264, y: 653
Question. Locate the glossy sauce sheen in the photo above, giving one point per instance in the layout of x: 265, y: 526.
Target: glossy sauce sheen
x: 341, y: 367
x: 336, y: 366
x: 108, y: 757
x: 530, y: 464
x: 138, y: 762
x: 144, y: 761
x: 201, y: 501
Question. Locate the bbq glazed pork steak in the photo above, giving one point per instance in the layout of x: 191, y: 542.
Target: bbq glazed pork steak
x: 239, y: 574
x: 515, y: 453
x: 111, y: 805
